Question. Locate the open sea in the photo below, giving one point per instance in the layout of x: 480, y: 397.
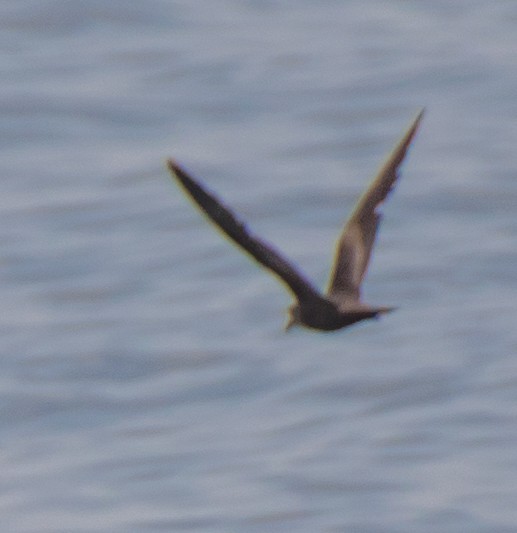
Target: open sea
x: 146, y: 382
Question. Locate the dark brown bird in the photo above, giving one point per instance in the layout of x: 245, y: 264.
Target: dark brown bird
x: 341, y: 306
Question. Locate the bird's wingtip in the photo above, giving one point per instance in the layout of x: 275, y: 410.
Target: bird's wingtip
x: 414, y: 125
x: 172, y: 165
x: 177, y: 170
x: 418, y: 117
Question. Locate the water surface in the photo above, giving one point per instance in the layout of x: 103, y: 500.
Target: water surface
x: 145, y: 381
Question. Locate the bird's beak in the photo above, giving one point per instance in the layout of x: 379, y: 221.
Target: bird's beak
x: 290, y: 323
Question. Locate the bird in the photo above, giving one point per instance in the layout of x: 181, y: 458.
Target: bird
x: 341, y: 305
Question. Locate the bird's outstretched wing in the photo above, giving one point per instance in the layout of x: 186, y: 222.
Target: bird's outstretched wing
x: 264, y: 253
x: 356, y: 242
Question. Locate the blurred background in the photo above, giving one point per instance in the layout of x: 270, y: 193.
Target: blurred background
x: 146, y: 383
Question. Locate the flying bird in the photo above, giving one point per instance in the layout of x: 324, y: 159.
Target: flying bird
x: 341, y: 305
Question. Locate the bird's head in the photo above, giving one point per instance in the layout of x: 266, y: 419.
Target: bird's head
x: 293, y: 316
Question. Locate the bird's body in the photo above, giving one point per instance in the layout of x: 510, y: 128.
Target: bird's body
x: 341, y: 306
x: 324, y: 315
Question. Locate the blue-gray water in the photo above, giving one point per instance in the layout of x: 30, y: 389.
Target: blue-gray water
x: 145, y: 380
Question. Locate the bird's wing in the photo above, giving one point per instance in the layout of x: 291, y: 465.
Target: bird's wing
x: 237, y: 231
x: 356, y: 242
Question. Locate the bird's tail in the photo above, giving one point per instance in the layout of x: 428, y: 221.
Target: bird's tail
x: 384, y: 310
